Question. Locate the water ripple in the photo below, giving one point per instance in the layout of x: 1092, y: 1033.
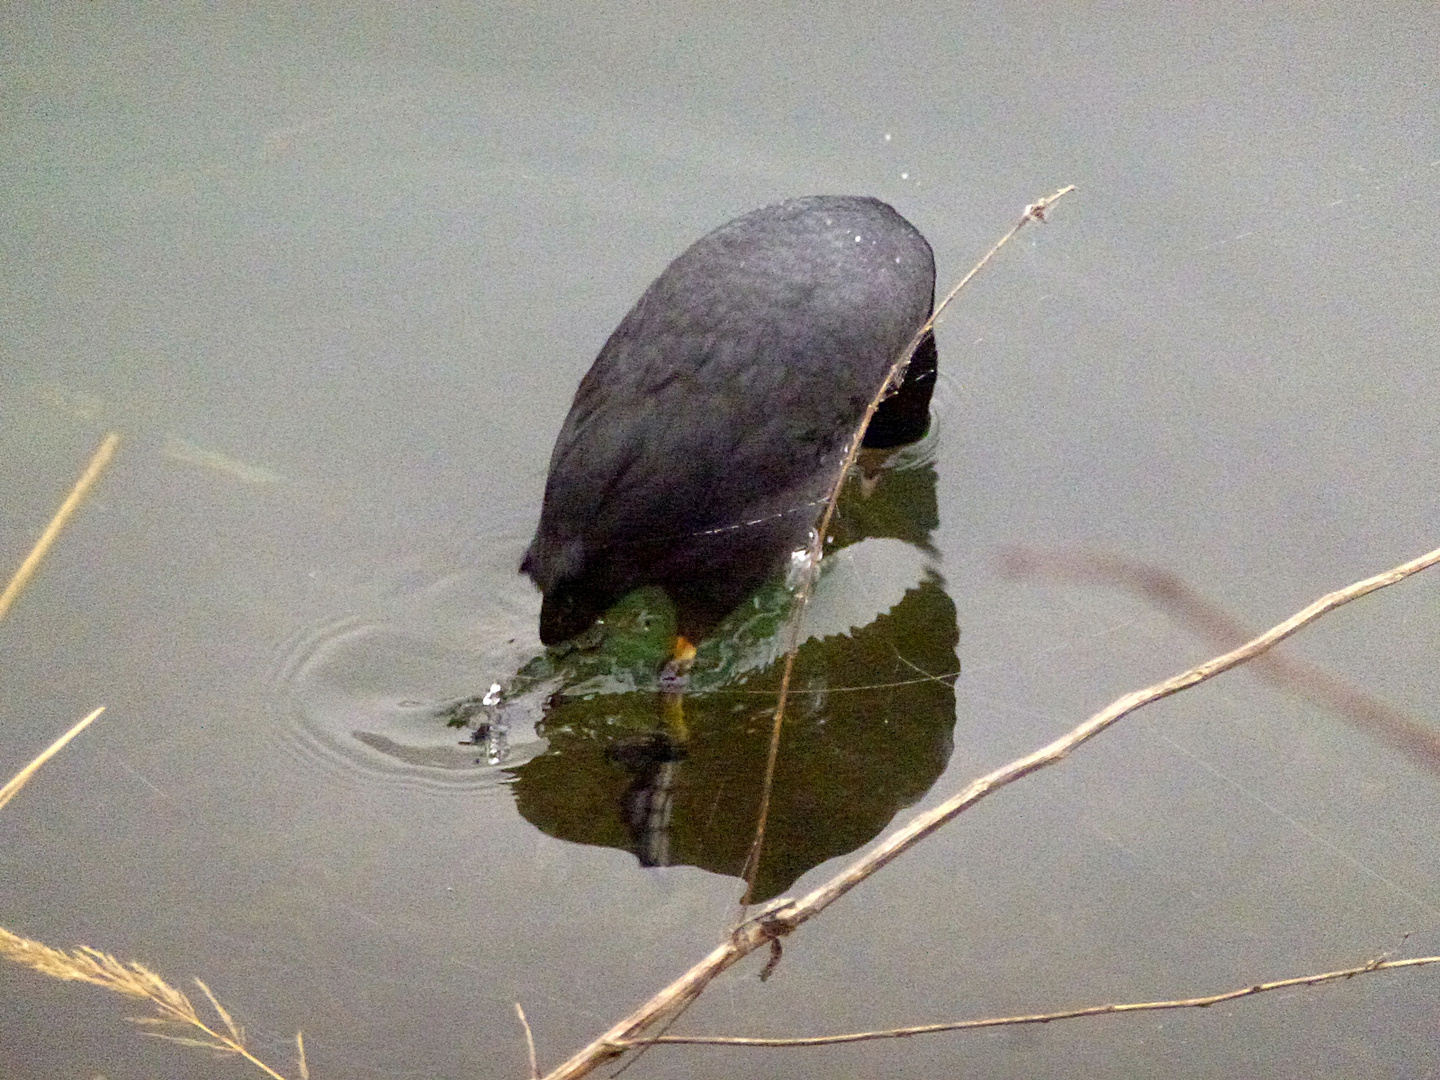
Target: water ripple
x: 361, y: 691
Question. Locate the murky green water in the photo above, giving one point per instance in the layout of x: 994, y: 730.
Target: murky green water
x: 334, y: 279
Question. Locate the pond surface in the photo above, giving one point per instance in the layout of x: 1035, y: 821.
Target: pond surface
x: 334, y: 280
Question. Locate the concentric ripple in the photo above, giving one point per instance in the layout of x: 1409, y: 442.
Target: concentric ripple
x: 364, y: 692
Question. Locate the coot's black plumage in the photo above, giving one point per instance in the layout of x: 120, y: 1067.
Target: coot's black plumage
x: 703, y: 438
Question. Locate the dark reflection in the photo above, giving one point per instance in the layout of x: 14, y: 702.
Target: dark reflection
x: 676, y: 779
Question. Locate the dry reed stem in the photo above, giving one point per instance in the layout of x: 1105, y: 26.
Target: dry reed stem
x: 785, y: 915
x: 67, y: 508
x: 1045, y: 1018
x: 1036, y: 211
x: 1169, y: 590
x: 133, y: 979
x: 20, y: 779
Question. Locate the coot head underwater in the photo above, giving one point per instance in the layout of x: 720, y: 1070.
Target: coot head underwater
x: 703, y: 440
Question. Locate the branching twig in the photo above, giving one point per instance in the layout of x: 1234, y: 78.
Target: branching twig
x: 786, y: 915
x: 72, y: 501
x: 893, y: 378
x: 1044, y: 1018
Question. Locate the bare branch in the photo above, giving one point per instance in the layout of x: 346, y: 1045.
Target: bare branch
x: 785, y: 915
x: 1169, y: 590
x: 1045, y: 1018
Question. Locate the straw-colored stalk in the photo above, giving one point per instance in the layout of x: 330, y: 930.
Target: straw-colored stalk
x: 19, y: 780
x: 173, y: 1009
x: 52, y: 531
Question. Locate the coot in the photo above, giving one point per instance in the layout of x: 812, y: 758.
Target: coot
x: 703, y: 440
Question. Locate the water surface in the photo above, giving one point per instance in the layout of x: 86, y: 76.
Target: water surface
x: 334, y: 279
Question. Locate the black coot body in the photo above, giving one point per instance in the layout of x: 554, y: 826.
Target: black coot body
x: 704, y: 437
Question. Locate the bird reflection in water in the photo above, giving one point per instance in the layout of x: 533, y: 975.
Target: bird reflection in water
x: 676, y: 779
x: 867, y: 733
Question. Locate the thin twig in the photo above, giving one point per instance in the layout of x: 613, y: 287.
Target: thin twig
x: 1043, y: 1018
x: 893, y: 378
x: 67, y: 508
x: 529, y: 1042
x: 784, y: 916
x: 1169, y: 590
x: 19, y: 780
